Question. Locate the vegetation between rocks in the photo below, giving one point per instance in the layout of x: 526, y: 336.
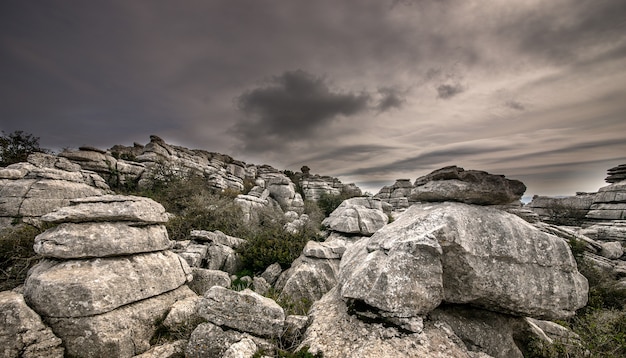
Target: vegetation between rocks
x: 16, y: 254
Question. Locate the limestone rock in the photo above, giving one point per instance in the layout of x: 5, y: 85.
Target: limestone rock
x: 308, y: 278
x: 616, y: 174
x: 471, y: 187
x: 397, y: 195
x: 22, y: 333
x: 324, y: 250
x: 338, y: 334
x: 352, y: 217
x: 612, y: 250
x: 217, y: 237
x: 87, y: 240
x: 397, y: 271
x: 245, y: 311
x: 570, y: 210
x: 260, y: 285
x: 204, y: 279
x: 245, y: 348
x: 183, y: 316
x: 463, y: 254
x: 272, y: 272
x: 110, y: 208
x: 174, y: 349
x: 209, y: 340
x: 113, y: 282
x: 123, y: 332
x: 484, y: 331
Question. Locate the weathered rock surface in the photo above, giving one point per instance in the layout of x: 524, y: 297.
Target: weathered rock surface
x: 245, y: 311
x: 569, y: 210
x: 467, y: 186
x: 174, y: 349
x: 314, y: 186
x: 183, y: 316
x: 338, y: 334
x: 22, y: 333
x: 123, y: 332
x: 31, y: 189
x: 86, y: 240
x: 308, y: 278
x: 94, y: 286
x: 463, y: 254
x: 209, y: 340
x: 397, y: 195
x: 203, y: 279
x: 135, y: 209
x: 616, y: 174
x: 362, y: 216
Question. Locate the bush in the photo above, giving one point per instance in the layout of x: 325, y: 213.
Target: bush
x: 328, y: 202
x: 16, y: 146
x: 16, y: 255
x: 565, y: 214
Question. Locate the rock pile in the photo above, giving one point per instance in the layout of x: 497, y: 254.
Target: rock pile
x: 606, y: 219
x: 109, y: 272
x: 44, y: 183
x: 454, y: 184
x: 314, y: 186
x: 569, y: 210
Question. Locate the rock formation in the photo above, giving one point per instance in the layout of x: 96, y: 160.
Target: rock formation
x: 616, y: 174
x: 44, y: 183
x: 569, y: 210
x: 454, y: 184
x: 110, y: 273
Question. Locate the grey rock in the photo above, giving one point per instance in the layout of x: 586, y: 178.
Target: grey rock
x: 203, y: 279
x: 85, y: 240
x: 89, y: 287
x: 308, y: 278
x: 397, y: 271
x: 468, y: 186
x: 484, y: 331
x: 174, y: 349
x: 612, y: 250
x: 110, y: 208
x: 260, y: 285
x: 22, y: 333
x: 123, y: 332
x: 209, y: 340
x: 245, y: 311
x: 272, y: 272
x: 352, y: 217
x: 338, y: 334
x: 183, y: 316
x: 245, y: 348
x: 217, y: 237
x: 324, y: 250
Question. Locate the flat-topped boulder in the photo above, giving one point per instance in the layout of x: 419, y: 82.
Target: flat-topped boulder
x: 616, y: 174
x: 361, y: 216
x: 468, y: 186
x: 110, y: 208
x: 100, y: 239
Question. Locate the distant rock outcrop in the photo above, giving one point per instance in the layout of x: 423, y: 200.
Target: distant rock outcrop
x: 454, y: 184
x: 616, y: 174
x: 107, y: 276
x: 606, y: 219
x: 569, y: 210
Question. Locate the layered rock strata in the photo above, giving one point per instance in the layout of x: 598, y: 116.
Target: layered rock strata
x: 44, y: 183
x: 111, y: 273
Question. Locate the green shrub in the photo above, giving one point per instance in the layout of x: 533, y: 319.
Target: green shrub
x: 603, y: 332
x: 16, y: 255
x: 328, y: 202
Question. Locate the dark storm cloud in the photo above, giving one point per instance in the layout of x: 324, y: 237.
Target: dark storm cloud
x: 447, y: 91
x: 291, y: 105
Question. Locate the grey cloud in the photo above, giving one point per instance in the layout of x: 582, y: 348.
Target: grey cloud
x: 428, y: 160
x: 515, y: 105
x: 392, y: 98
x: 447, y: 91
x: 348, y: 153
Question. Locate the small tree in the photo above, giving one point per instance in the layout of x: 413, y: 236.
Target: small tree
x: 15, y: 147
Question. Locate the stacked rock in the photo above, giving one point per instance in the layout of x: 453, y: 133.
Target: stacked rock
x: 616, y: 174
x: 107, y: 275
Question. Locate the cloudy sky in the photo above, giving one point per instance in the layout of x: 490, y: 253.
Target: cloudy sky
x: 369, y: 91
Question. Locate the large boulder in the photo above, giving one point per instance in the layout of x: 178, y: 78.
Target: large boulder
x: 308, y: 278
x: 458, y: 253
x: 94, y: 286
x: 467, y: 186
x: 360, y: 216
x: 22, y: 333
x: 245, y: 311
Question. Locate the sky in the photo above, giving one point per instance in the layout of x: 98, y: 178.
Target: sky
x: 369, y: 91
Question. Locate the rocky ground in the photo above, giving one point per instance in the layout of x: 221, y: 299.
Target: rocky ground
x: 450, y: 266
